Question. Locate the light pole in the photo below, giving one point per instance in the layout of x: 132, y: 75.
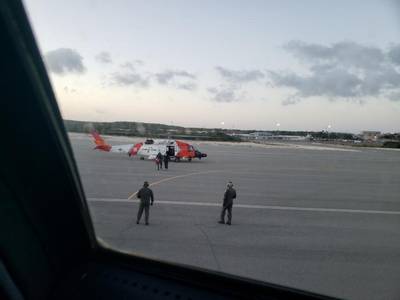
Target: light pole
x: 277, y: 127
x: 328, y: 129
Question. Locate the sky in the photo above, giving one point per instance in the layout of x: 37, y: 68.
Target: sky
x: 305, y: 65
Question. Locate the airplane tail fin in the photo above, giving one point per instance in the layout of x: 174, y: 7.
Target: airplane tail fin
x: 100, y: 142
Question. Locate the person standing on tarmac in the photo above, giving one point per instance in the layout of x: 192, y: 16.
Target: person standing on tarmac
x: 160, y: 159
x: 157, y: 161
x: 229, y: 195
x: 166, y: 158
x: 146, y: 199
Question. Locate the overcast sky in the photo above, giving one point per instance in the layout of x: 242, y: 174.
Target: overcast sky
x: 248, y: 64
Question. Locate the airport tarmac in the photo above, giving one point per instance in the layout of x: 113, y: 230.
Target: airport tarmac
x: 316, y: 218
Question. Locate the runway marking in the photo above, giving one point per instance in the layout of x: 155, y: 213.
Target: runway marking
x: 270, y: 207
x: 175, y: 177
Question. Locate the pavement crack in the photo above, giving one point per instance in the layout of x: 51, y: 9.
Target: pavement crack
x: 211, y: 248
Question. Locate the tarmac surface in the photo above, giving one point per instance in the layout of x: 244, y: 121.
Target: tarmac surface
x: 318, y: 218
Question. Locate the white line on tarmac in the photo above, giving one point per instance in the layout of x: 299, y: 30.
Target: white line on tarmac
x: 270, y: 207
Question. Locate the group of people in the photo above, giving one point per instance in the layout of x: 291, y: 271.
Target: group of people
x: 160, y: 159
x: 146, y: 196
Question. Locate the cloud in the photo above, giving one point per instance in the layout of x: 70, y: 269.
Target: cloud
x: 291, y: 100
x: 128, y: 65
x: 332, y: 83
x: 177, y: 78
x: 139, y: 62
x: 132, y: 65
x: 394, y: 54
x: 225, y: 94
x: 394, y: 96
x: 129, y: 75
x: 344, y: 70
x: 241, y: 76
x: 130, y: 78
x: 190, y: 86
x: 166, y: 76
x: 64, y: 60
x: 348, y: 54
x: 104, y: 57
x: 233, y: 84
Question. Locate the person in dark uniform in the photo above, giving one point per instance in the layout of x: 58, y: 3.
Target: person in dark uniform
x: 160, y: 159
x: 229, y: 195
x: 146, y: 199
x: 166, y: 158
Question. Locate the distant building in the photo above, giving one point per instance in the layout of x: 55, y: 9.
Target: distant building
x: 260, y: 135
x: 243, y: 136
x: 264, y: 135
x: 288, y: 137
x: 370, y: 135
